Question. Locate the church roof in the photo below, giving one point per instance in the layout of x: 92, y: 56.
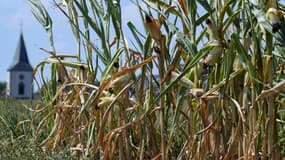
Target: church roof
x: 20, y: 61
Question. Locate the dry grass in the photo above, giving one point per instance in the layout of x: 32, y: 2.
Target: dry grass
x: 214, y: 97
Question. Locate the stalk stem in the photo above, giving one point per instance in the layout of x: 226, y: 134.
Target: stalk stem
x: 162, y: 102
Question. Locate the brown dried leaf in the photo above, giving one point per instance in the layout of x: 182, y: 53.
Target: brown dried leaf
x: 156, y: 157
x: 107, y: 84
x: 272, y: 91
x: 153, y: 27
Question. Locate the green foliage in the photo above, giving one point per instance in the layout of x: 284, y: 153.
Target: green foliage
x: 3, y: 88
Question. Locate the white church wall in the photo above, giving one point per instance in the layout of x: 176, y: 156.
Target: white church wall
x: 20, y: 84
x: 8, y: 85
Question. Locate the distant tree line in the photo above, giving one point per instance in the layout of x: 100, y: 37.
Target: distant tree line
x: 3, y: 88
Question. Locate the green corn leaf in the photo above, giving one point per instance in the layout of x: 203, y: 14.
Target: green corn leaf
x: 136, y: 34
x: 243, y: 56
x: 110, y: 66
x: 115, y: 9
x: 184, y: 41
x: 264, y: 23
x: 43, y: 17
x: 205, y: 5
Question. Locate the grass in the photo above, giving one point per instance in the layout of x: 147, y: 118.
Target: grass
x: 17, y: 139
x: 16, y: 142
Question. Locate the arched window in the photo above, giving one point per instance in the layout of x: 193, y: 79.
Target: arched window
x: 21, y: 88
x: 21, y: 77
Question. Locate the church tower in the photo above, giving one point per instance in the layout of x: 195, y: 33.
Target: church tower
x: 20, y: 73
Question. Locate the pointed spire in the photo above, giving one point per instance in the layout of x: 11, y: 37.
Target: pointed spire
x: 20, y: 61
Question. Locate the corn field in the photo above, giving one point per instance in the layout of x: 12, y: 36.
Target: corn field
x: 199, y: 80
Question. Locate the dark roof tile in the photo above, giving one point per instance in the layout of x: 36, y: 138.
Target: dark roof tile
x: 21, y: 60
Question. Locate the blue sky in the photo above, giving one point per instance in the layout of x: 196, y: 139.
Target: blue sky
x: 13, y: 12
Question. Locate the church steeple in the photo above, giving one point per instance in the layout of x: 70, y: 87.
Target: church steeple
x: 20, y: 73
x: 20, y: 61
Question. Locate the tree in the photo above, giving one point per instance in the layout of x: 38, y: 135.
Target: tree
x: 3, y: 86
